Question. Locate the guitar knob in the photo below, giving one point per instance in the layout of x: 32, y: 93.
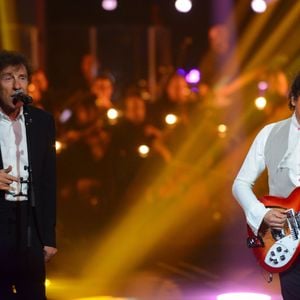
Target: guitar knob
x: 275, y: 261
x: 272, y: 253
x: 279, y: 249
x: 282, y: 257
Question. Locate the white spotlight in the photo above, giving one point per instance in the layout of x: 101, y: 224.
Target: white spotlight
x: 259, y: 6
x: 171, y: 119
x: 183, y: 6
x: 143, y: 150
x: 112, y: 114
x: 244, y: 296
x: 260, y: 102
x: 109, y: 4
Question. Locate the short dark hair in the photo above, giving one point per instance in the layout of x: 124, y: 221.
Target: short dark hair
x: 294, y: 92
x: 14, y: 58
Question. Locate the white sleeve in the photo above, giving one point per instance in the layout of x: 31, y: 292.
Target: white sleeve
x: 242, y: 189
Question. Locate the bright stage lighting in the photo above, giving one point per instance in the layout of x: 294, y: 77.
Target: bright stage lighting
x: 260, y: 103
x: 259, y: 6
x: 109, y: 4
x: 262, y: 85
x: 58, y: 146
x: 104, y: 298
x: 143, y: 150
x: 222, y: 130
x: 183, y: 6
x: 171, y: 119
x: 112, y: 114
x: 193, y: 76
x: 243, y: 296
x: 65, y: 115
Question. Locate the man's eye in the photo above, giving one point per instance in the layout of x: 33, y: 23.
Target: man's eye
x: 7, y: 77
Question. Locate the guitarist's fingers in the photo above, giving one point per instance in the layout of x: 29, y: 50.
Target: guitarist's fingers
x: 277, y: 221
x: 275, y: 218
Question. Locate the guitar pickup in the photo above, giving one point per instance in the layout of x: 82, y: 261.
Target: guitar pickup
x: 292, y: 223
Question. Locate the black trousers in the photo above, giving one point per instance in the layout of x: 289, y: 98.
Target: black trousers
x: 290, y: 282
x: 22, y: 268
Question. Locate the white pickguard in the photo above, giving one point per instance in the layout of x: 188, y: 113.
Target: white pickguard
x: 281, y: 252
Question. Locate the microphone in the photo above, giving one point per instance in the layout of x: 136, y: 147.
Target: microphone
x: 20, y: 96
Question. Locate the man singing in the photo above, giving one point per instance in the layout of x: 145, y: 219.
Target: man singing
x: 27, y: 185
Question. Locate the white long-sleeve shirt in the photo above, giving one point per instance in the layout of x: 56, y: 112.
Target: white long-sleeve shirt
x: 14, y: 153
x: 254, y: 164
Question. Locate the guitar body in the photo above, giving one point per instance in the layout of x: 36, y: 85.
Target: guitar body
x: 276, y: 250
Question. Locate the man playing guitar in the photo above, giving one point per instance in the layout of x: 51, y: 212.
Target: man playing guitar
x: 277, y: 148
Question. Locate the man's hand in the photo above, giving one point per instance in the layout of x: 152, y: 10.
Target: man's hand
x: 275, y: 218
x: 49, y: 252
x: 6, y: 179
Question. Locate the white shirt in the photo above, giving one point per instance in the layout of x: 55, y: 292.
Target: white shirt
x: 14, y: 153
x: 254, y: 165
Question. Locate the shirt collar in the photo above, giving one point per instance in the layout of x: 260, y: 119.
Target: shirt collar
x: 20, y: 116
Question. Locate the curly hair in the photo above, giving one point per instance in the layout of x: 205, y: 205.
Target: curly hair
x: 13, y: 58
x: 294, y: 92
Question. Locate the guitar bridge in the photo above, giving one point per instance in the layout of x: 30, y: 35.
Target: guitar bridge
x: 255, y: 242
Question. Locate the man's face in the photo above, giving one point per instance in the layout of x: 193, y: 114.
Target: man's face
x: 12, y: 78
x: 102, y: 88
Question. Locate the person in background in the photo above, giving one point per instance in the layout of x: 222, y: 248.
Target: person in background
x: 102, y: 87
x: 131, y: 132
x: 27, y: 192
x: 277, y: 148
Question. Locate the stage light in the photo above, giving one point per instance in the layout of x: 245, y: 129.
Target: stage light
x: 222, y: 130
x: 31, y: 88
x: 65, y: 115
x: 193, y: 76
x: 171, y: 119
x: 181, y: 72
x: 59, y: 146
x: 109, y: 4
x: 183, y: 6
x: 259, y: 6
x: 262, y: 85
x: 244, y: 296
x: 143, y: 150
x: 260, y: 102
x: 47, y: 282
x: 104, y: 298
x: 112, y: 114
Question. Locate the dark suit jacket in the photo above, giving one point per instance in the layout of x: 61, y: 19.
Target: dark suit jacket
x: 41, y: 133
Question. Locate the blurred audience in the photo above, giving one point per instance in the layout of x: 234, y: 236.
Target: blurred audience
x: 176, y: 100
x: 102, y: 87
x: 131, y: 133
x: 42, y: 94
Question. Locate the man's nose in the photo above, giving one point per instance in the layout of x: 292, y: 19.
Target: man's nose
x: 16, y: 84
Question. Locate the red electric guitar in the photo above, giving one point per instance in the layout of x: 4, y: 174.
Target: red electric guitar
x: 277, y: 249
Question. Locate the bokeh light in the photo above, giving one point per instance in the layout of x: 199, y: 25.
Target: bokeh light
x: 171, y: 119
x: 183, y: 6
x: 260, y: 102
x: 193, y: 76
x: 259, y: 6
x: 263, y: 85
x: 112, y: 114
x: 143, y: 150
x: 109, y: 4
